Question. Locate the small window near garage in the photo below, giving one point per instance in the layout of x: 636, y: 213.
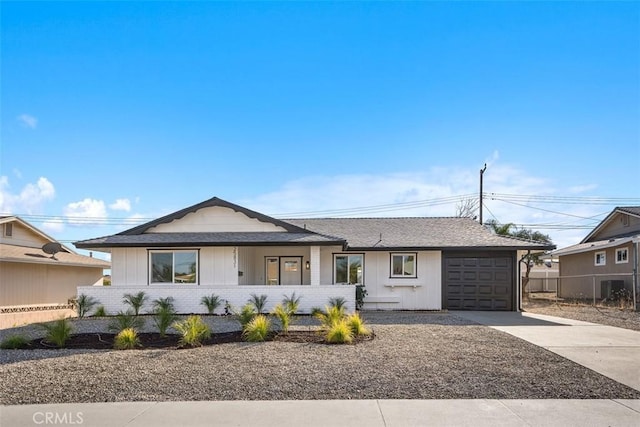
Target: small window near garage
x: 8, y: 229
x: 348, y: 268
x: 601, y: 258
x: 622, y: 256
x: 404, y: 265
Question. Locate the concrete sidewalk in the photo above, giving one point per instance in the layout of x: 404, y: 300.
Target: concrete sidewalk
x: 322, y: 413
x: 613, y: 352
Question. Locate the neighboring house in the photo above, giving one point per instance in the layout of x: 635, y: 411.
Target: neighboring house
x: 544, y: 277
x: 216, y: 247
x: 31, y: 278
x: 605, y: 261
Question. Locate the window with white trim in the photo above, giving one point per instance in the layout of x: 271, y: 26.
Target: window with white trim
x: 173, y: 267
x: 348, y: 268
x: 600, y: 258
x: 622, y: 256
x: 404, y: 265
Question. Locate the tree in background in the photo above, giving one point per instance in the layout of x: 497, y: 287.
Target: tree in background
x: 530, y: 259
x: 467, y: 208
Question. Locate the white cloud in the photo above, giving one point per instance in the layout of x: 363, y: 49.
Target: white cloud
x: 29, y: 200
x: 87, y: 211
x: 55, y: 225
x: 121, y: 205
x: 28, y: 121
x: 432, y: 193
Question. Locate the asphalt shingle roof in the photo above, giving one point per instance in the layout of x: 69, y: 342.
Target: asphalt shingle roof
x: 419, y: 232
x: 13, y: 253
x: 209, y: 239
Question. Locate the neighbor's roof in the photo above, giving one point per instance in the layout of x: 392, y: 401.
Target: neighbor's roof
x: 415, y: 233
x: 595, y: 246
x: 628, y: 210
x: 11, y: 218
x: 24, y: 254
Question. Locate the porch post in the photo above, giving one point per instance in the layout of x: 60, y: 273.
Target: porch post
x: 314, y: 258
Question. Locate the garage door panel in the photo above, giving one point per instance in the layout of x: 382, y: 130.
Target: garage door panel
x: 482, y: 282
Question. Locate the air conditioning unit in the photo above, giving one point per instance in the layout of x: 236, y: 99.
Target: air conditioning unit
x: 610, y: 289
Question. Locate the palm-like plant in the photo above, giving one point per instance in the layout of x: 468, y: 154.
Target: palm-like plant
x: 84, y: 304
x: 163, y: 304
x: 284, y: 316
x: 212, y: 302
x: 291, y: 303
x: 339, y: 302
x: 126, y: 320
x: 58, y: 332
x: 258, y: 301
x: 135, y: 301
x: 329, y: 316
x: 246, y: 315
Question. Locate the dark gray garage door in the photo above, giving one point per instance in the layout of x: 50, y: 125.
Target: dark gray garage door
x: 478, y: 281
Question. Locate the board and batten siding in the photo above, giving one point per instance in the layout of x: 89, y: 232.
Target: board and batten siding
x: 218, y: 266
x: 392, y: 293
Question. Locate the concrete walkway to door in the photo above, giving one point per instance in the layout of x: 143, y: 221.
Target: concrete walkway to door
x: 612, y: 352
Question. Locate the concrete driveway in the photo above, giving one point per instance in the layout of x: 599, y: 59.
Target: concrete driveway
x: 612, y: 352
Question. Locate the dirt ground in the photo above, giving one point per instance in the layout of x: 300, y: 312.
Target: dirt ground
x: 610, y: 315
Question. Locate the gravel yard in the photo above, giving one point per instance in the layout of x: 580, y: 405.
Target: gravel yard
x: 610, y: 316
x: 413, y: 356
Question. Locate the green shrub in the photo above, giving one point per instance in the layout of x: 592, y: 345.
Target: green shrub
x: 258, y: 302
x: 135, y: 301
x: 163, y: 304
x: 58, y: 332
x: 126, y: 320
x: 100, y: 311
x: 246, y: 315
x: 357, y: 325
x: 194, y: 330
x: 84, y: 304
x: 257, y: 329
x: 291, y: 303
x: 14, y: 342
x: 212, y: 302
x: 126, y: 339
x: 163, y: 318
x: 283, y: 315
x: 339, y: 333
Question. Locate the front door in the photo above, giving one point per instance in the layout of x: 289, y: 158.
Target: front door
x: 290, y: 271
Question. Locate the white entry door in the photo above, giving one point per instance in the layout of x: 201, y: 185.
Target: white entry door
x: 290, y: 271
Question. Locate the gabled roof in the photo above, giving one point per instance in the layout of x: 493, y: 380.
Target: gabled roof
x: 627, y: 210
x: 176, y: 240
x: 415, y: 233
x: 140, y: 237
x: 595, y: 246
x: 213, y: 202
x: 6, y: 219
x: 349, y: 233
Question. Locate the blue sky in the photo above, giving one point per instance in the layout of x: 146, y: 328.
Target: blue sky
x: 116, y: 111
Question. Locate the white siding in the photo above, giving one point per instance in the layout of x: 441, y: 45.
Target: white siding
x: 214, y: 219
x: 129, y: 266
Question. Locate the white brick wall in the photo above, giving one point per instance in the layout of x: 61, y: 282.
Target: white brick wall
x: 187, y: 297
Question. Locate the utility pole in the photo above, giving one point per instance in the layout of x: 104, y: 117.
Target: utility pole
x: 481, y: 173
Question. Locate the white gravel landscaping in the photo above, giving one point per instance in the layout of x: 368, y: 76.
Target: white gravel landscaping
x: 414, y: 356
